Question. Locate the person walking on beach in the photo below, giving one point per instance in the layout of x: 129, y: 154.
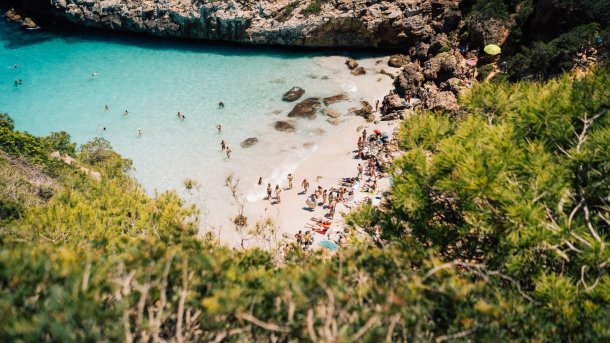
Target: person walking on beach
x: 228, y: 153
x: 223, y: 145
x: 377, y: 105
x: 278, y: 190
x: 360, y: 171
x: 289, y: 181
x: 260, y: 180
x: 364, y: 135
x: 269, y: 191
x: 305, y: 185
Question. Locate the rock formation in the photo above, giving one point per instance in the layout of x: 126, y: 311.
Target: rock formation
x: 295, y: 93
x: 339, y: 23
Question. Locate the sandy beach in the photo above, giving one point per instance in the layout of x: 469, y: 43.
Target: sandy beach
x: 330, y: 158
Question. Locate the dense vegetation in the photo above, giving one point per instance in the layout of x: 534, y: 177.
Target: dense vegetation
x: 495, y: 230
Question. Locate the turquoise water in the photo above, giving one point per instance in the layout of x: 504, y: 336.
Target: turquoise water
x: 153, y: 80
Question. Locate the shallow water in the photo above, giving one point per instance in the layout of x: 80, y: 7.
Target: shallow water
x: 153, y: 80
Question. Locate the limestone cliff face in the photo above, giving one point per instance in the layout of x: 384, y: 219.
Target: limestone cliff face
x: 339, y: 23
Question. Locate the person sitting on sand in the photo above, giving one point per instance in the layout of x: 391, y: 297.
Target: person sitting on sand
x: 305, y: 185
x: 324, y: 195
x: 269, y: 191
x: 278, y: 190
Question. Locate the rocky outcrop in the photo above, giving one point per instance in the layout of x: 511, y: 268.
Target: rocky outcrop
x: 398, y: 61
x: 340, y: 23
x: 294, y: 94
x: 305, y: 109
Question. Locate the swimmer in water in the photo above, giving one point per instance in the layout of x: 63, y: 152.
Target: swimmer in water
x: 140, y: 132
x: 223, y: 145
x: 125, y: 113
x: 14, y: 66
x: 228, y: 153
x: 94, y: 74
x: 221, y: 104
x: 219, y: 128
x: 105, y: 108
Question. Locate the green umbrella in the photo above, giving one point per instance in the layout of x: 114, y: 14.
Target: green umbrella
x: 492, y: 49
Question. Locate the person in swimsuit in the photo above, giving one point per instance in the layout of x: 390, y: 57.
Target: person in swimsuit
x: 219, y: 128
x: 305, y: 185
x: 289, y: 181
x: 105, y: 108
x: 228, y: 153
x: 269, y: 191
x: 260, y: 180
x: 223, y: 145
x: 278, y: 190
x: 221, y: 104
x: 125, y: 113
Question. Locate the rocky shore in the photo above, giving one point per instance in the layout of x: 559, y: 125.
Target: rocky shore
x: 417, y: 24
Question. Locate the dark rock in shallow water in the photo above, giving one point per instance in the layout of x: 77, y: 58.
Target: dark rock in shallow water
x: 295, y: 93
x: 334, y: 99
x: 305, y: 109
x: 249, y: 142
x: 284, y: 126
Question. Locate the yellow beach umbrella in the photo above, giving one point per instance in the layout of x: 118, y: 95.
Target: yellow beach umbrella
x: 492, y: 49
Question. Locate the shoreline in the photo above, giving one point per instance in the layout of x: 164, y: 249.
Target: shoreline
x: 330, y: 159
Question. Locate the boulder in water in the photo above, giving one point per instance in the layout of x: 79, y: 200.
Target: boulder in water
x: 249, y: 142
x: 334, y: 99
x: 295, y: 93
x: 12, y: 15
x: 29, y: 24
x: 305, y: 109
x: 284, y: 126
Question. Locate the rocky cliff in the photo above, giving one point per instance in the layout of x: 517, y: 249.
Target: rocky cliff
x: 419, y: 24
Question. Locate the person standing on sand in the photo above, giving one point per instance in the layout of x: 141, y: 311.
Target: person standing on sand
x: 278, y: 190
x: 324, y: 194
x: 364, y: 135
x: 269, y: 191
x: 377, y: 105
x: 223, y: 145
x: 228, y: 153
x: 305, y: 185
x: 260, y: 180
x: 289, y: 181
x: 360, y: 171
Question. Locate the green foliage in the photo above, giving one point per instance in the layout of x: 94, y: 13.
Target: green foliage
x: 487, y: 9
x: 286, y: 12
x: 60, y: 141
x: 98, y: 153
x: 314, y: 7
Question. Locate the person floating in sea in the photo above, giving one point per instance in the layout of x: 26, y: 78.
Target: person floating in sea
x: 219, y: 128
x: 105, y: 108
x: 228, y: 151
x: 223, y: 145
x: 269, y: 191
x: 125, y: 113
x: 140, y: 132
x: 305, y: 185
x: 18, y: 82
x: 278, y: 190
x: 14, y: 66
x: 260, y: 180
x: 221, y: 104
x: 180, y: 116
x: 289, y: 181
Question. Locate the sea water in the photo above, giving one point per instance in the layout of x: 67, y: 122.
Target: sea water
x: 69, y: 78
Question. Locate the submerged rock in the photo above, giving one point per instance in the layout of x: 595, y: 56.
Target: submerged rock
x: 284, y: 126
x: 305, y: 109
x: 295, y: 93
x: 331, y: 113
x: 334, y: 99
x: 249, y: 142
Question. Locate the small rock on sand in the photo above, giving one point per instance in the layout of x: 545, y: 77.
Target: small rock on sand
x: 359, y: 71
x: 351, y: 63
